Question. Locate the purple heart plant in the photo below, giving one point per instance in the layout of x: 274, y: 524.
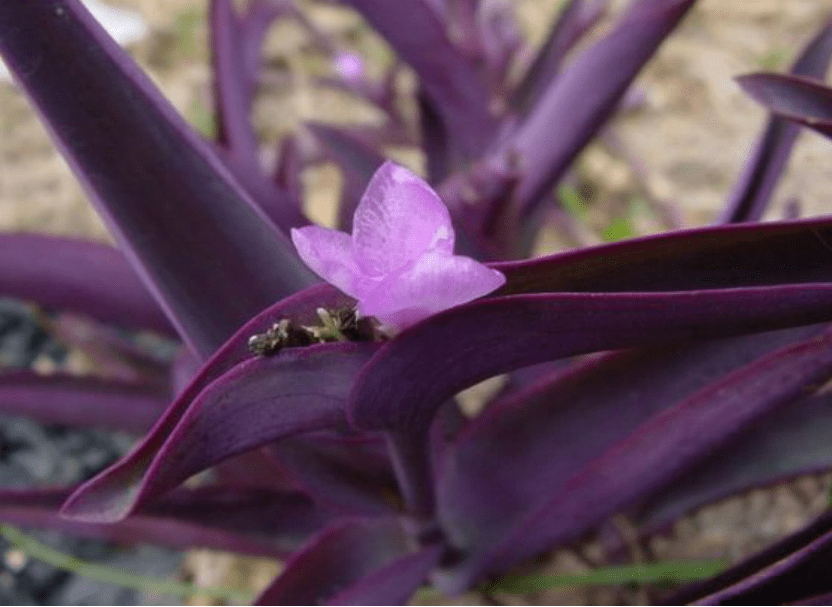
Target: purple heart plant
x: 646, y: 376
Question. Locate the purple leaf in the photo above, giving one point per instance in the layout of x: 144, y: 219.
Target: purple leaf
x: 704, y: 258
x: 399, y: 263
x: 408, y: 378
x: 192, y: 234
x: 233, y: 54
x: 81, y: 401
x: 257, y: 402
x: 127, y: 474
x: 452, y: 80
x: 661, y: 448
x: 252, y: 522
x: 345, y: 474
x: 788, y: 443
x: 359, y: 562
x: 576, y: 18
x: 585, y: 94
x: 796, y: 98
x: 794, y: 569
x: 541, y: 432
x: 77, y: 276
x: 753, y: 192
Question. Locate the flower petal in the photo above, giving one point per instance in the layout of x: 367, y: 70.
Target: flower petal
x: 434, y: 283
x: 329, y: 254
x: 399, y: 218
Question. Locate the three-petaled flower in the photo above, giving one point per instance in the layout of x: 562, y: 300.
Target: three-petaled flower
x: 399, y: 262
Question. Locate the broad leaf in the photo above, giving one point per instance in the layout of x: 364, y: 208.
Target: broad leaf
x: 210, y: 258
x: 128, y: 472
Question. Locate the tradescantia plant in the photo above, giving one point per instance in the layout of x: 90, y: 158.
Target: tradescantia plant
x: 327, y: 412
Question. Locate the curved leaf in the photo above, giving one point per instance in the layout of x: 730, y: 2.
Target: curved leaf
x: 359, y: 562
x: 257, y: 402
x: 261, y: 523
x: 408, y: 378
x: 81, y: 401
x: 664, y: 446
x: 584, y: 95
x: 127, y: 474
x: 702, y: 258
x: 210, y: 258
x: 755, y: 187
x: 799, y: 99
x: 77, y: 276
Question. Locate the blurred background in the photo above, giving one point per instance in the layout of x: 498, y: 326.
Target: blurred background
x: 685, y: 133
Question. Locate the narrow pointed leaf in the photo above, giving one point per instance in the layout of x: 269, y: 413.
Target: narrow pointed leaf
x: 360, y: 562
x: 703, y: 258
x: 232, y: 56
x: 257, y: 402
x: 85, y: 402
x: 799, y: 99
x: 261, y: 523
x: 664, y: 446
x: 451, y: 79
x: 193, y: 235
x: 753, y: 192
x: 77, y: 276
x: 585, y: 94
x: 406, y: 381
x: 794, y: 569
x: 541, y: 432
x: 576, y: 18
x: 127, y: 474
x: 788, y: 443
x: 345, y: 474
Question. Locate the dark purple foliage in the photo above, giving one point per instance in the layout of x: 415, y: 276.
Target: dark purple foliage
x: 649, y: 376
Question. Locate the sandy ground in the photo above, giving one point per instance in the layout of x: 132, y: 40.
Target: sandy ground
x: 692, y: 136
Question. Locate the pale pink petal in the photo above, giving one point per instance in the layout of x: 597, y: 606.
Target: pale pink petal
x: 329, y: 254
x: 434, y: 283
x: 399, y: 218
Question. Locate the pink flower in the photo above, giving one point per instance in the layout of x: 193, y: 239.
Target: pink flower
x: 399, y: 262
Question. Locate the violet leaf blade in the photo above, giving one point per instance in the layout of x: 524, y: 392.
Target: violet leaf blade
x: 129, y: 471
x: 797, y: 98
x: 85, y: 402
x: 361, y: 561
x: 234, y: 88
x: 245, y: 521
x: 753, y: 191
x: 583, y: 97
x: 541, y: 431
x: 406, y: 381
x: 788, y: 443
x: 257, y: 402
x: 77, y: 276
x: 450, y: 78
x: 793, y: 569
x: 702, y: 258
x: 192, y: 234
x: 664, y: 446
x: 576, y: 18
